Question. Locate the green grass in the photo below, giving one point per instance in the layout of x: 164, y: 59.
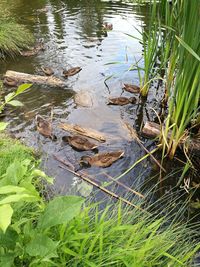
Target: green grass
x: 66, y: 231
x: 13, y: 38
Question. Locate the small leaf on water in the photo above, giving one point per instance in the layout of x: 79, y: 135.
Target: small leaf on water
x: 3, y: 125
x: 6, y: 212
x: 22, y: 88
x: 15, y: 103
x: 60, y: 210
x: 42, y: 246
x: 84, y: 189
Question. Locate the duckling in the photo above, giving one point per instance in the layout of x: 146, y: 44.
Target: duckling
x: 102, y: 159
x: 47, y: 71
x: 131, y: 88
x: 121, y: 101
x: 10, y: 82
x: 79, y: 142
x: 44, y: 127
x: 107, y: 26
x: 71, y: 72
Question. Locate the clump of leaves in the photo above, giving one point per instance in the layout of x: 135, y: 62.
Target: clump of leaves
x: 9, y: 100
x: 13, y: 38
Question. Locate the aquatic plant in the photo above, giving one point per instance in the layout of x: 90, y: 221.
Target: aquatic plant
x: 183, y: 86
x: 13, y: 38
x: 66, y: 232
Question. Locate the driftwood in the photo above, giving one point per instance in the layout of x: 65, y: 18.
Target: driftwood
x: 29, y: 78
x: 83, y: 131
x: 152, y: 130
x: 134, y: 136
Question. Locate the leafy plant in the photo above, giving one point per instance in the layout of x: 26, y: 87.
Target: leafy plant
x: 9, y: 100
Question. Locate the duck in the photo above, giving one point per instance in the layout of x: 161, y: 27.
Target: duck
x: 48, y: 71
x: 44, y: 127
x: 121, y: 101
x: 33, y: 51
x: 131, y: 88
x: 107, y: 26
x: 72, y: 71
x: 103, y: 160
x: 10, y: 82
x: 79, y: 142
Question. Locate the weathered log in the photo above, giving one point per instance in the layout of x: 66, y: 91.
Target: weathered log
x: 29, y: 78
x: 152, y: 130
x: 83, y: 131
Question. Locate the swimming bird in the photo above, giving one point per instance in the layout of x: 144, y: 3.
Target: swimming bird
x: 121, y: 101
x: 131, y: 88
x: 102, y: 159
x: 79, y: 142
x: 48, y: 71
x: 44, y: 127
x: 71, y: 72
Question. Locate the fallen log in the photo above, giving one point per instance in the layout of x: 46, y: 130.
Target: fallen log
x: 83, y: 131
x: 152, y: 130
x: 29, y: 78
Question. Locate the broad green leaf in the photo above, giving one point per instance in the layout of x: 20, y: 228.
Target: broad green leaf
x: 6, y: 212
x: 15, y: 172
x: 22, y: 88
x: 7, y: 259
x: 60, y: 210
x: 11, y: 189
x: 17, y: 198
x: 9, y: 96
x: 42, y: 246
x: 15, y: 103
x: 3, y: 125
x: 8, y: 239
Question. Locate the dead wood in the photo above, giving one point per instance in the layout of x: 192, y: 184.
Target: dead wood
x: 83, y: 131
x: 30, y: 78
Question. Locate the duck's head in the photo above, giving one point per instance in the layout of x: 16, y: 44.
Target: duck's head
x: 132, y: 100
x: 66, y: 138
x: 85, y: 160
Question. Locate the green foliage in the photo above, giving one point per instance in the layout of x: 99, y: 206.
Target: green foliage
x: 60, y: 232
x: 13, y: 38
x: 8, y: 100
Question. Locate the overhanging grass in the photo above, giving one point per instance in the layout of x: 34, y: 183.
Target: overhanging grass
x: 13, y: 38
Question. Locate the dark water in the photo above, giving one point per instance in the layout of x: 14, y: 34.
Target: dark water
x: 73, y: 36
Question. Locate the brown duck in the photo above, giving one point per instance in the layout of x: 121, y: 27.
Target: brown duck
x: 79, y: 142
x: 44, y: 127
x: 10, y: 82
x: 131, y: 88
x: 121, y: 101
x: 71, y: 72
x: 102, y: 159
x: 107, y: 26
x: 47, y: 71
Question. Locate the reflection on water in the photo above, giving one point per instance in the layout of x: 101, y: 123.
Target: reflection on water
x: 72, y: 33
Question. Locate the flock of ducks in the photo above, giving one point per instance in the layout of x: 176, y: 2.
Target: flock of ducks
x: 77, y: 142
x: 81, y: 143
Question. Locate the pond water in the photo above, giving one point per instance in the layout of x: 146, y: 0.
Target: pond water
x: 72, y: 34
